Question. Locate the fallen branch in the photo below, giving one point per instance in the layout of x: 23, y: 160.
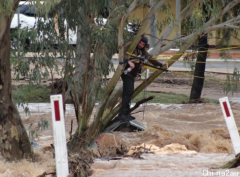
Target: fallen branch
x: 70, y: 133
x: 137, y: 112
x: 230, y: 164
x: 46, y: 174
x: 80, y: 159
x: 141, y: 102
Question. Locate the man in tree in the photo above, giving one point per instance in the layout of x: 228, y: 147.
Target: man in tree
x: 132, y: 69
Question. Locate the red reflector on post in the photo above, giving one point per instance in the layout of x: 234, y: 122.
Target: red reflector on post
x: 57, y: 110
x: 226, y: 109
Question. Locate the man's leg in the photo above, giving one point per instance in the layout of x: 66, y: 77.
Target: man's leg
x: 128, y: 88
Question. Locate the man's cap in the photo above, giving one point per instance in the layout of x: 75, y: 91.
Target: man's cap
x: 145, y: 40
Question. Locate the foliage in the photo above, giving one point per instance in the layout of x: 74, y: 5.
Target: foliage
x: 31, y: 94
x: 232, y: 82
x: 167, y: 18
x: 6, y: 7
x: 33, y: 132
x: 36, y: 67
x: 189, y: 60
x: 197, y: 18
x: 27, y: 41
x: 231, y: 164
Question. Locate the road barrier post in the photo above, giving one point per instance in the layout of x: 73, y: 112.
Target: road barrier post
x: 231, y: 125
x: 60, y: 146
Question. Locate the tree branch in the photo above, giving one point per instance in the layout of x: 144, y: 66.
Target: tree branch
x: 141, y: 102
x: 229, y: 6
x: 227, y: 24
x: 153, y: 9
x: 184, y: 13
x: 206, y: 28
x: 175, y: 42
x: 220, y: 14
x: 222, y: 26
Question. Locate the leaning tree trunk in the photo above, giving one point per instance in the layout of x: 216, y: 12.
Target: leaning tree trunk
x: 14, y: 142
x: 198, y: 80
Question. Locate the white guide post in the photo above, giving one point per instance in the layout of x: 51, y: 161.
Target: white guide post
x: 147, y: 74
x: 61, y: 155
x: 231, y: 125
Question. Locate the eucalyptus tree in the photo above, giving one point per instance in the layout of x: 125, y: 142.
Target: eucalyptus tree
x: 202, y: 47
x: 14, y: 142
x: 85, y: 73
x: 225, y: 32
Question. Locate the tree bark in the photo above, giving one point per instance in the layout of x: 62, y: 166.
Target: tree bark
x: 199, y: 73
x: 200, y: 66
x: 14, y: 142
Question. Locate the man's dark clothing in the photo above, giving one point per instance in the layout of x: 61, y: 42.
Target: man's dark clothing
x: 138, y: 67
x: 128, y: 88
x: 128, y: 80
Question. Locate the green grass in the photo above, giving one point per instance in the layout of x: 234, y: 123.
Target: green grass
x: 41, y: 94
x: 167, y: 98
x: 31, y: 94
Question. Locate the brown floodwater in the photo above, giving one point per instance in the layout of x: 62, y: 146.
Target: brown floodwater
x: 183, y: 140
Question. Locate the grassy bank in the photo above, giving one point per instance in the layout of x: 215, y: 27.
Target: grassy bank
x: 32, y: 94
x: 41, y: 94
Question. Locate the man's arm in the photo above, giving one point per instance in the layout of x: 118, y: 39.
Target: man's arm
x: 152, y: 61
x: 155, y: 62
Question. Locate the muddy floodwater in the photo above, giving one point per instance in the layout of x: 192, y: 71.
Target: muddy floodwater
x: 183, y: 140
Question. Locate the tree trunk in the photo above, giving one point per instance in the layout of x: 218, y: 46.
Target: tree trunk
x: 198, y: 80
x: 14, y: 142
